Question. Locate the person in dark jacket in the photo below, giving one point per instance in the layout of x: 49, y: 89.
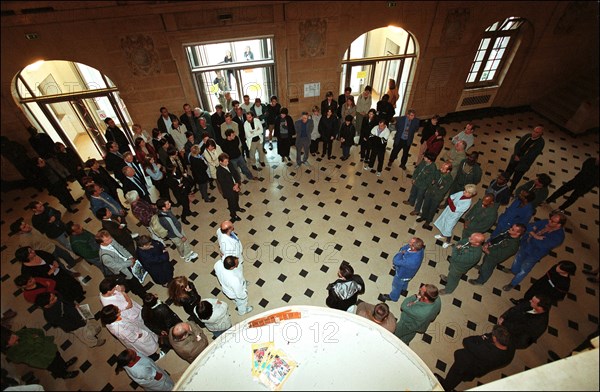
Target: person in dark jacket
x: 328, y: 128
x: 347, y: 132
x: 284, y: 132
x: 114, y: 134
x: 199, y: 169
x: 155, y: 259
x: 527, y: 321
x: 273, y: 110
x: 183, y: 293
x: 369, y: 122
x: 64, y: 315
x: 55, y: 184
x: 582, y: 183
x: 554, y: 284
x: 428, y: 131
x: 101, y: 177
x: 524, y: 154
x: 344, y: 292
x: 230, y: 181
x: 159, y: 318
x: 385, y: 110
x: 479, y: 356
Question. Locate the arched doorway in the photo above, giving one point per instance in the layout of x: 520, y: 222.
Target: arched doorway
x: 69, y: 101
x: 377, y: 56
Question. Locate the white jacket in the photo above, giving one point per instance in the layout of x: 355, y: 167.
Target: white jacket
x: 251, y: 133
x: 232, y: 281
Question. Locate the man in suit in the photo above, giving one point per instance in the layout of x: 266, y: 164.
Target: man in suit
x: 188, y: 119
x: 406, y: 127
x: 114, y: 160
x: 165, y: 120
x: 230, y: 181
x: 101, y: 177
x: 131, y: 182
x: 115, y: 134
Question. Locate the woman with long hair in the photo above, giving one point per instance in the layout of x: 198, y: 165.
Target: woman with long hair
x: 183, y: 293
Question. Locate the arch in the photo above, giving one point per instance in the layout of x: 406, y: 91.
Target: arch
x: 376, y: 56
x: 69, y: 101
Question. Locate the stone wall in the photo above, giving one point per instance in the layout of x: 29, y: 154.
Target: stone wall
x: 140, y: 47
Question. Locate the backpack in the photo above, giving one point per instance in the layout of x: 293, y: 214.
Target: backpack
x: 157, y: 228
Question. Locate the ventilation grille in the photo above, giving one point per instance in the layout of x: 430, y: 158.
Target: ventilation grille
x: 476, y: 100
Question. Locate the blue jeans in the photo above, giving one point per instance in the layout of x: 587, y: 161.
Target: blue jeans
x: 399, y: 284
x: 240, y: 162
x: 61, y: 253
x: 521, y: 267
x: 345, y: 150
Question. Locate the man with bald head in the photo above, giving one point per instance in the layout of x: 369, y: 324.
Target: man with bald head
x: 465, y: 255
x: 188, y: 340
x: 526, y: 151
x: 229, y: 242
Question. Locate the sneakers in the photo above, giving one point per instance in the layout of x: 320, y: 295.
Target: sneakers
x: 248, y: 310
x: 443, y: 277
x: 378, y: 174
x: 191, y: 257
x: 366, y: 167
x: 445, y: 245
x: 161, y: 354
x: 508, y: 287
x: 439, y: 237
x: 135, y: 235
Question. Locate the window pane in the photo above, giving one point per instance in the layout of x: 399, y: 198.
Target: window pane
x: 480, y: 54
x: 22, y: 91
x: 91, y: 77
x: 471, y: 77
x: 491, y: 74
x: 488, y: 66
x: 495, y: 64
x: 476, y: 66
x: 484, y: 44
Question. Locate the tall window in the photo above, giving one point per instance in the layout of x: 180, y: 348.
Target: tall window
x: 69, y: 101
x: 239, y: 68
x: 376, y: 57
x: 493, y: 52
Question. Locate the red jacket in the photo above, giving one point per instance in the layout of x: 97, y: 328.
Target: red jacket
x: 49, y: 285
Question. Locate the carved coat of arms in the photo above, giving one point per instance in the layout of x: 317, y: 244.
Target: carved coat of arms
x: 312, y: 37
x: 141, y: 55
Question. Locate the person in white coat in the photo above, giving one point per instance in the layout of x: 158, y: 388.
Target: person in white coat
x: 144, y: 371
x: 214, y: 314
x: 132, y: 334
x: 112, y: 293
x: 254, y: 139
x: 233, y: 282
x: 229, y: 243
x: 458, y: 204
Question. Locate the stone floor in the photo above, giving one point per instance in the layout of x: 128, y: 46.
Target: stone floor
x: 301, y: 224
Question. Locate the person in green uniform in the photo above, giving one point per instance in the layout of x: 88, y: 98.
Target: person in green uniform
x: 498, y: 249
x: 418, y: 311
x: 481, y: 217
x: 539, y: 188
x: 465, y: 255
x: 469, y: 172
x: 425, y: 173
x: 434, y: 194
x: 32, y: 347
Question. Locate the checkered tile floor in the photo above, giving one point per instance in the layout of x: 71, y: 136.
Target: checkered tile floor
x: 302, y: 223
